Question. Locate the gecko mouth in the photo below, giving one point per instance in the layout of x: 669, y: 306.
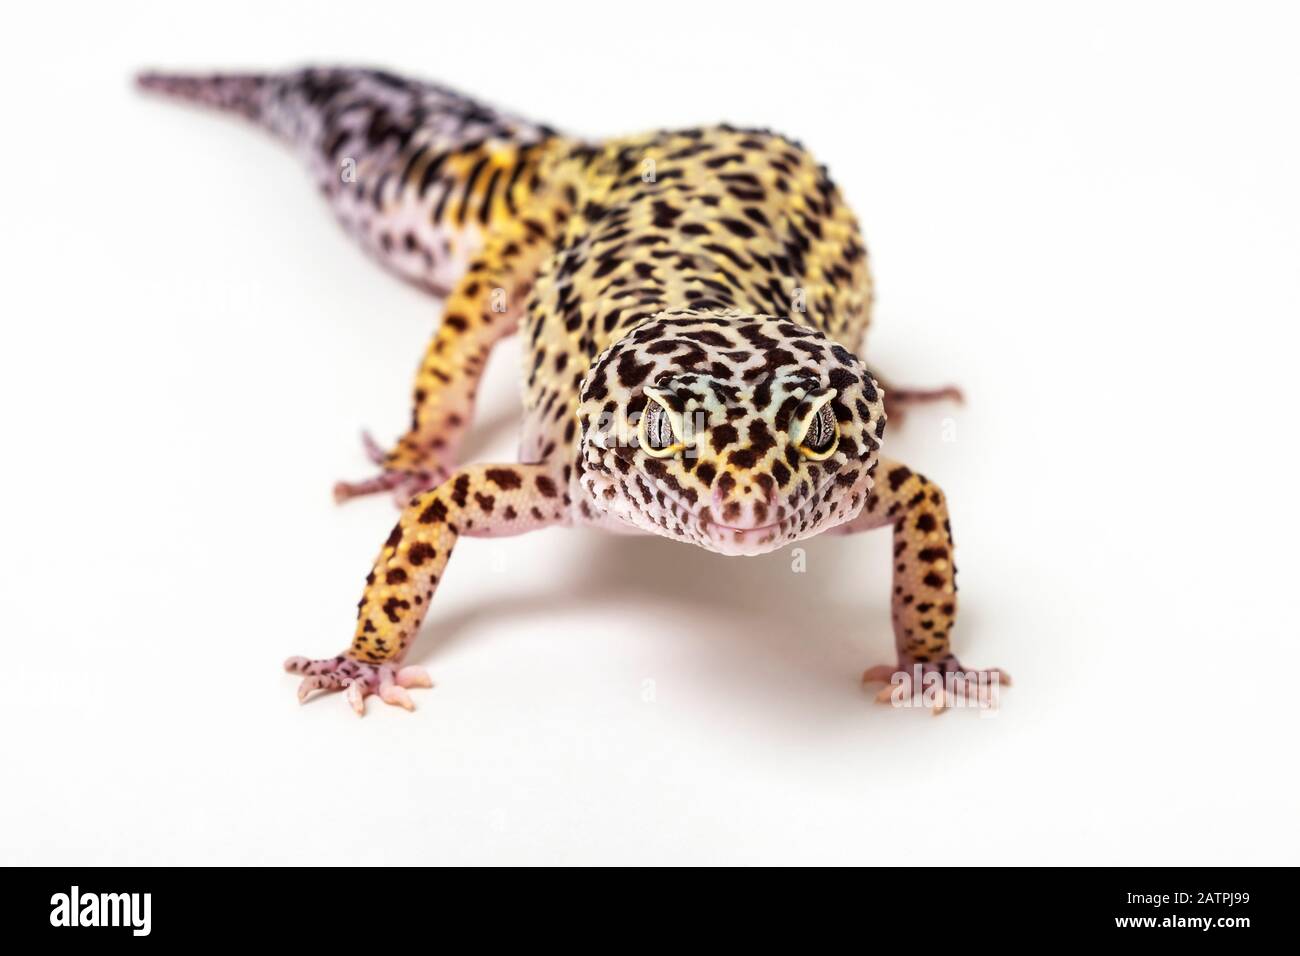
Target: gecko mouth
x: 752, y: 529
x: 752, y: 539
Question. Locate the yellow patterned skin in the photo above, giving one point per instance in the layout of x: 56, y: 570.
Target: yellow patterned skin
x: 690, y: 302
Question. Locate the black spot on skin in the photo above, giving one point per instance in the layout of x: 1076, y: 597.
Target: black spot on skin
x: 722, y: 436
x: 933, y: 580
x: 395, y: 576
x: 393, y: 605
x: 709, y: 337
x: 760, y: 438
x: 460, y: 491
x: 738, y: 228
x: 665, y: 215
x: 394, y: 538
x: 898, y: 476
x: 925, y: 523
x: 503, y: 478
x: 842, y: 380
x: 725, y: 485
x: 419, y: 553
x: 436, y: 511
x: 630, y: 372
x: 546, y: 486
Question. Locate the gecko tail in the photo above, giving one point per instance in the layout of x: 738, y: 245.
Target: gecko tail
x: 414, y: 170
x: 243, y: 93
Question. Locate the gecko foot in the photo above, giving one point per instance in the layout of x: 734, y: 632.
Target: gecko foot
x: 937, y: 685
x: 359, y: 680
x: 404, y: 482
x: 899, y: 400
x: 404, y: 485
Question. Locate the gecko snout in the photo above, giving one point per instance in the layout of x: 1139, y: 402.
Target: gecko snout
x: 743, y: 502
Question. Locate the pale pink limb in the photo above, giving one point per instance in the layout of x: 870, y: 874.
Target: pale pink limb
x: 899, y: 400
x: 405, y: 485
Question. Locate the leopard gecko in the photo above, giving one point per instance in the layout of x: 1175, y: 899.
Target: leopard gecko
x: 689, y: 302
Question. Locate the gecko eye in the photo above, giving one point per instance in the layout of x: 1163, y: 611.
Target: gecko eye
x: 822, y: 434
x: 658, y: 433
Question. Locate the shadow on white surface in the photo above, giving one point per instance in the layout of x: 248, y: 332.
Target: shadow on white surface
x: 792, y: 645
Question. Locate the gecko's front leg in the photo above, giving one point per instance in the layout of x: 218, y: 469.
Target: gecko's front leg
x: 482, y: 501
x: 925, y: 582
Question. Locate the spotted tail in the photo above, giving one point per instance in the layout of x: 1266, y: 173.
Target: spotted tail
x: 417, y: 172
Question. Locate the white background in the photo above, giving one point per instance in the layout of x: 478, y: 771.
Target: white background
x: 1086, y: 215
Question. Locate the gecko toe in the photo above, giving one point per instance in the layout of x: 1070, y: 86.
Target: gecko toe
x: 414, y: 677
x: 374, y: 451
x: 397, y: 696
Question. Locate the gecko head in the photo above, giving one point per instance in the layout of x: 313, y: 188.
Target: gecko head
x: 737, y: 433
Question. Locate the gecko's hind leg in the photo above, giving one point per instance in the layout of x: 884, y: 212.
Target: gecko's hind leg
x: 444, y: 392
x: 485, y: 308
x: 898, y: 399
